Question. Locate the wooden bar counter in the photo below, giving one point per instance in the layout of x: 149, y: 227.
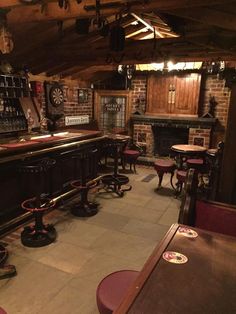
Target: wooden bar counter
x: 32, y: 148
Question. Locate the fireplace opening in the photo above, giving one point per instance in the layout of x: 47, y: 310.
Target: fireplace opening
x: 165, y: 137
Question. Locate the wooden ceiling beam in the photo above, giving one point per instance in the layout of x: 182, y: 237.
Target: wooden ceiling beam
x: 26, y: 14
x: 75, y: 53
x: 209, y: 17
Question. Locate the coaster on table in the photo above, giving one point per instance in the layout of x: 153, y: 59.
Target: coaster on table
x: 174, y: 257
x: 187, y: 232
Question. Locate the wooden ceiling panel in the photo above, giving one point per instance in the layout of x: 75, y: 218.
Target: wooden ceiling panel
x: 206, y: 30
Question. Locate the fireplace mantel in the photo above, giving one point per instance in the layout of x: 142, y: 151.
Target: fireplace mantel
x: 174, y: 121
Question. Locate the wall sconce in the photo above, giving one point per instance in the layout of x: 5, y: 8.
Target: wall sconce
x: 127, y: 71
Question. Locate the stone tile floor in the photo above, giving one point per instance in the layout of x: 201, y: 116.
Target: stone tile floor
x: 62, y: 277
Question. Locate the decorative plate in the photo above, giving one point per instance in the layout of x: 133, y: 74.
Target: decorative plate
x: 56, y: 95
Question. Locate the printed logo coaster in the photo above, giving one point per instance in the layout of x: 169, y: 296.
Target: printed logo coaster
x: 174, y: 257
x: 187, y: 232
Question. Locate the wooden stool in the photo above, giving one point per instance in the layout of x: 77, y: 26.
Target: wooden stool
x: 112, y: 289
x: 164, y: 166
x: 131, y: 157
x: 39, y: 234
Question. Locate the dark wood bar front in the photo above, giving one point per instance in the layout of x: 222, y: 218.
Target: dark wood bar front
x: 16, y: 186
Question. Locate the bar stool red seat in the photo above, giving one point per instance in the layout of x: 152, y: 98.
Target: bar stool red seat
x: 39, y: 234
x: 131, y: 156
x: 112, y: 289
x: 181, y: 177
x: 163, y: 166
x: 195, y: 163
x: 2, y: 311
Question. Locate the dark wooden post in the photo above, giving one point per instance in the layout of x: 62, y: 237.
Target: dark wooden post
x: 227, y: 190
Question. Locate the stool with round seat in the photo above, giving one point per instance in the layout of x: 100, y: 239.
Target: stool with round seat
x: 163, y: 166
x: 39, y: 234
x: 116, y: 183
x: 2, y: 311
x: 85, y: 159
x: 195, y: 163
x: 112, y: 289
x: 181, y: 177
x: 131, y: 156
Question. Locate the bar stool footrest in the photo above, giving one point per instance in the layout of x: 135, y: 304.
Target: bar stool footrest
x: 114, y: 183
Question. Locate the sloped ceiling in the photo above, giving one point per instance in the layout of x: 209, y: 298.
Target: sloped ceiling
x: 45, y: 37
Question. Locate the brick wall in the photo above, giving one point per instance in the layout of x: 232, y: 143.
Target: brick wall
x: 199, y: 137
x: 139, y: 93
x: 211, y: 87
x: 143, y: 135
x: 71, y: 105
x: 214, y: 87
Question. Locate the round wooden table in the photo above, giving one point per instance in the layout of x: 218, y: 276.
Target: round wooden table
x: 183, y: 151
x: 188, y: 149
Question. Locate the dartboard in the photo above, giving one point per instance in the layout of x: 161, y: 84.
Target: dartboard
x: 56, y: 95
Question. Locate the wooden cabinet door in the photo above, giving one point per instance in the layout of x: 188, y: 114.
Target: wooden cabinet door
x: 173, y: 94
x: 186, y: 99
x: 157, y: 94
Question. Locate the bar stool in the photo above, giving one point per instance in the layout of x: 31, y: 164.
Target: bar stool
x: 116, y: 182
x: 39, y: 234
x: 195, y: 163
x: 181, y: 177
x: 163, y: 166
x: 6, y: 271
x: 86, y: 159
x: 112, y: 289
x: 131, y: 156
x: 2, y: 311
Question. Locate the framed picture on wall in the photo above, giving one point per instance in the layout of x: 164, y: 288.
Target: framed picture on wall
x: 83, y: 95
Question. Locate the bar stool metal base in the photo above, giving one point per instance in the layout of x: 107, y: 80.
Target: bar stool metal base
x: 113, y: 183
x: 32, y: 237
x: 85, y: 209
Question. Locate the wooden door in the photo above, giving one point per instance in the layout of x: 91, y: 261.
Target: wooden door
x: 112, y: 110
x: 173, y: 94
x: 187, y: 89
x: 157, y: 94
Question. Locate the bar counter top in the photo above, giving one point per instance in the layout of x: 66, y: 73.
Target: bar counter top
x: 30, y: 145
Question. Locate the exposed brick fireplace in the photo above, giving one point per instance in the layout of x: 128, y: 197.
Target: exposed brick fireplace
x: 157, y: 134
x: 165, y: 137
